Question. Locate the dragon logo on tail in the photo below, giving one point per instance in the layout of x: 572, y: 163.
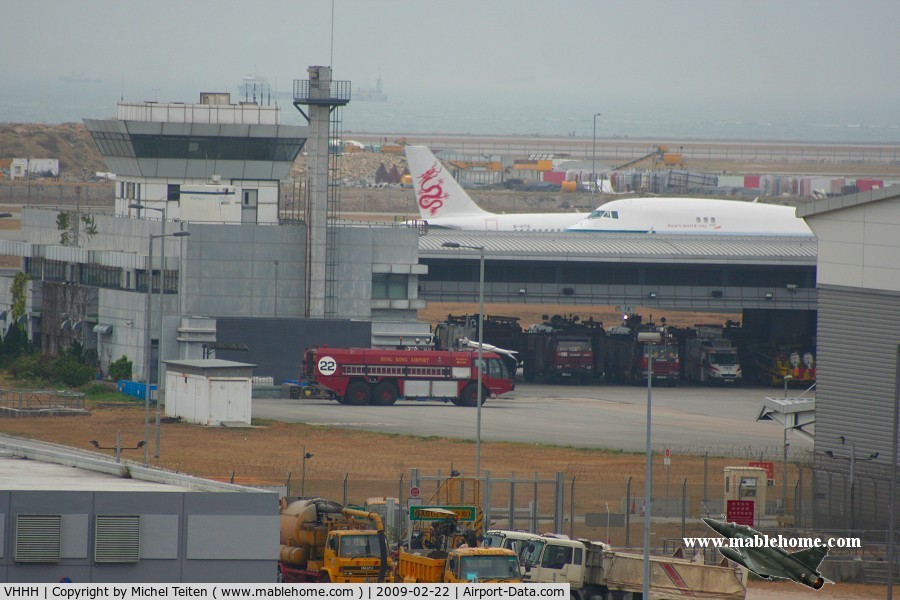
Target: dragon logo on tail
x: 431, y: 197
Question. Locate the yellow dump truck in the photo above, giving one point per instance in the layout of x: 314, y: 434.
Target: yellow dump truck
x: 324, y: 542
x: 461, y: 565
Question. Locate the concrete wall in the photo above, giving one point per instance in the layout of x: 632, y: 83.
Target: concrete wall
x: 185, y: 536
x: 277, y: 345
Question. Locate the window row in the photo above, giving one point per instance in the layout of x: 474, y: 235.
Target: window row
x: 42, y: 269
x: 216, y: 148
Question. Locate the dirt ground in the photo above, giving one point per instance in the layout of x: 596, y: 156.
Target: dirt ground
x: 266, y: 452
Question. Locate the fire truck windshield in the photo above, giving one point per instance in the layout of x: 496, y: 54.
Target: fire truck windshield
x: 496, y: 369
x: 662, y: 353
x: 574, y: 345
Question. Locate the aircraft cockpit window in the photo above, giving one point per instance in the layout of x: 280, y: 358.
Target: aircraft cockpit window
x: 712, y: 219
x: 614, y: 213
x: 698, y: 219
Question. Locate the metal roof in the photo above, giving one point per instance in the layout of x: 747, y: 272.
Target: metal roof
x: 811, y: 209
x: 619, y: 247
x: 35, y: 465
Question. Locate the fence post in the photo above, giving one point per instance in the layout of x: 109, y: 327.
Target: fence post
x: 512, y: 501
x: 572, y: 510
x: 344, y: 498
x: 683, y: 506
x: 705, y: 480
x: 287, y: 485
x: 559, y: 503
x: 535, y: 505
x: 628, y: 513
x: 485, y: 499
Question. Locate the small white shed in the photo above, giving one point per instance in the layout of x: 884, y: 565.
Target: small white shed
x: 209, y: 391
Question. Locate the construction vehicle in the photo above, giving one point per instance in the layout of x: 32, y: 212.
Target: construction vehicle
x: 595, y: 571
x: 628, y: 357
x: 359, y: 376
x: 711, y: 359
x: 324, y: 542
x: 451, y: 555
x: 660, y: 156
x: 564, y: 348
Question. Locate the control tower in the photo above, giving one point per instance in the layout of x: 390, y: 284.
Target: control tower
x: 323, y: 99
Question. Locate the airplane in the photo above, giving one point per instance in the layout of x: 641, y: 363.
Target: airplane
x: 693, y: 215
x: 444, y: 204
x: 767, y: 562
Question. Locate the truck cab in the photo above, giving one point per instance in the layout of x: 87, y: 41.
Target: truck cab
x: 522, y: 543
x: 460, y: 565
x: 351, y: 556
x: 559, y: 561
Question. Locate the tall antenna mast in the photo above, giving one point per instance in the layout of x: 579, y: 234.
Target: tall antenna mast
x: 331, y: 57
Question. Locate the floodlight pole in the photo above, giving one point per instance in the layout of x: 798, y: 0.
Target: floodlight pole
x: 650, y: 338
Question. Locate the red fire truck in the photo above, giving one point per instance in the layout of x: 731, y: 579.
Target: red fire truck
x: 361, y: 376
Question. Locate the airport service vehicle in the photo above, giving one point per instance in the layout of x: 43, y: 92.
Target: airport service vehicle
x: 324, y: 542
x: 359, y: 376
x: 501, y: 335
x: 628, y: 359
x: 558, y: 356
x: 595, y: 571
x: 712, y: 362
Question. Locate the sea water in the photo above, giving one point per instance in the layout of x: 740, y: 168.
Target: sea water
x: 62, y: 102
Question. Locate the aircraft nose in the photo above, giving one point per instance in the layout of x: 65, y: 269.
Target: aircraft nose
x: 715, y: 525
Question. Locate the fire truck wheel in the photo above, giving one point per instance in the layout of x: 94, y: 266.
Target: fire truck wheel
x: 358, y: 393
x: 469, y: 395
x: 384, y: 394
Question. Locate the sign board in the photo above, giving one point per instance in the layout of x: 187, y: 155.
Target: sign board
x: 667, y: 461
x: 414, y: 492
x: 413, y: 502
x: 425, y: 513
x: 768, y: 466
x: 740, y: 512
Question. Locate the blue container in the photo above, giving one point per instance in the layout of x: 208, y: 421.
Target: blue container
x: 134, y: 388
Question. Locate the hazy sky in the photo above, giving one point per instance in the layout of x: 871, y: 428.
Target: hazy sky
x: 818, y: 55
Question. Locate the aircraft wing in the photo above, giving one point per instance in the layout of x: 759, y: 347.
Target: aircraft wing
x: 763, y: 568
x: 811, y: 558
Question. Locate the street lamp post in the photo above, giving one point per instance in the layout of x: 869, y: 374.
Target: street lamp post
x: 785, y: 453
x: 480, y: 350
x: 306, y: 456
x: 594, y: 159
x: 650, y: 338
x: 147, y: 345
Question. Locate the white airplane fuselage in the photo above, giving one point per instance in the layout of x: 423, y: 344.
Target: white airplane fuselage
x: 693, y: 215
x: 443, y: 203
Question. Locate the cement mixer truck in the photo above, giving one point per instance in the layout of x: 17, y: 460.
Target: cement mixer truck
x: 324, y: 542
